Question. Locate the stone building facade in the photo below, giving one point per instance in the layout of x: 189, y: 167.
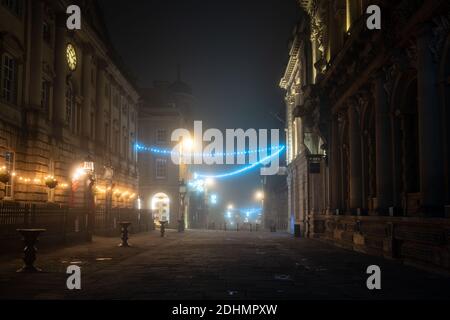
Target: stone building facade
x: 367, y: 127
x: 275, y: 202
x: 165, y: 107
x: 64, y: 98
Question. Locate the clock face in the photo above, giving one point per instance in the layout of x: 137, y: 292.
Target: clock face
x: 71, y: 56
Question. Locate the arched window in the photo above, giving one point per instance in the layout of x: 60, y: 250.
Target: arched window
x: 125, y: 142
x: 8, y: 78
x: 70, y: 106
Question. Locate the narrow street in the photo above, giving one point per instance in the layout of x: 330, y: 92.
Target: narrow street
x: 215, y: 265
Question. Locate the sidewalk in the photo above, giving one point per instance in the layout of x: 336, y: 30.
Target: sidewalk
x: 215, y: 265
x: 91, y: 257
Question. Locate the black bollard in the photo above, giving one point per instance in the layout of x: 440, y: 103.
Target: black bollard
x: 124, y: 229
x: 163, y: 228
x: 251, y: 227
x: 180, y: 226
x: 30, y: 238
x: 237, y: 227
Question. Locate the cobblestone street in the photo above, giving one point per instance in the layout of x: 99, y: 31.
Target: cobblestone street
x: 215, y: 265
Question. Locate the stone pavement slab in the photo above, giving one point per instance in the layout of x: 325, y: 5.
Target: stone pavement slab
x: 215, y: 265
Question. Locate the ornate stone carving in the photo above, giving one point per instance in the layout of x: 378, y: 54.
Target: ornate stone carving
x: 391, y: 74
x: 440, y: 31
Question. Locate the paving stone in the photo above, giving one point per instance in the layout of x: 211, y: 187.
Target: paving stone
x: 215, y: 265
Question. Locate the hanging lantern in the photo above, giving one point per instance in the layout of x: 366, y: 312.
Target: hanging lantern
x: 88, y: 164
x: 5, y: 176
x: 51, y: 182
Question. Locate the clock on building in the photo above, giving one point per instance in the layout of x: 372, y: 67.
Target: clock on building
x: 71, y: 56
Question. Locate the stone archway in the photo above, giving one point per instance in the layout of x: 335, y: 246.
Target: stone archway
x: 160, y: 204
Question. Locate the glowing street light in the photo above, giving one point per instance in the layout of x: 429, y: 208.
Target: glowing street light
x: 230, y: 207
x: 188, y: 144
x: 209, y: 182
x: 214, y: 199
x: 259, y: 195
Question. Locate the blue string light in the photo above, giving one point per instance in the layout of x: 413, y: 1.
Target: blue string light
x: 155, y: 150
x: 242, y: 170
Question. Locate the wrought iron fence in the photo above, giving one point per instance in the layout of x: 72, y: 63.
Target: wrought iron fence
x: 62, y: 221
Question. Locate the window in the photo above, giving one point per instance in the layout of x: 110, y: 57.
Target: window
x: 107, y: 135
x: 47, y: 33
x: 92, y: 127
x: 92, y: 77
x: 115, y: 100
x: 161, y: 136
x: 132, y: 147
x: 15, y: 6
x: 45, y: 94
x: 70, y: 106
x: 161, y: 168
x: 9, y: 71
x: 9, y: 164
x: 124, y: 142
x: 116, y: 141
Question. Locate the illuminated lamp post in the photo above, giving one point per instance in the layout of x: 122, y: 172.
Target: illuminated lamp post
x: 88, y: 167
x: 183, y: 192
x: 5, y: 177
x: 259, y: 195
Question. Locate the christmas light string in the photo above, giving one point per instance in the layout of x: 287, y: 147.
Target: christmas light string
x: 156, y: 150
x: 242, y: 170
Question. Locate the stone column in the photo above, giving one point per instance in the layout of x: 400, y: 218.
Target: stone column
x: 335, y: 164
x: 86, y: 85
x: 354, y: 132
x: 59, y: 90
x: 431, y: 134
x: 100, y: 101
x: 383, y: 137
x: 37, y: 21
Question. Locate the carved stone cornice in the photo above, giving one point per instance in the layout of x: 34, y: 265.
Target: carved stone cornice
x: 441, y: 30
x: 392, y: 72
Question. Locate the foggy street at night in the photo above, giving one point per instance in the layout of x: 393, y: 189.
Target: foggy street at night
x: 217, y: 265
x: 208, y: 150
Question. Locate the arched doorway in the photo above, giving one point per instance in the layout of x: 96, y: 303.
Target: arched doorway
x: 161, y: 207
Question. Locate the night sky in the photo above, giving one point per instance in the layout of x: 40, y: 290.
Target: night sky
x: 232, y: 53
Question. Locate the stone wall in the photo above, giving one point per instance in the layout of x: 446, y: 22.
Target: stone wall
x: 422, y: 242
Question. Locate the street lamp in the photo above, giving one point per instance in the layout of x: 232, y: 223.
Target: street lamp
x: 230, y: 207
x: 214, y: 199
x: 183, y: 191
x: 88, y: 168
x: 88, y: 165
x: 259, y: 195
x: 5, y: 177
x: 108, y: 176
